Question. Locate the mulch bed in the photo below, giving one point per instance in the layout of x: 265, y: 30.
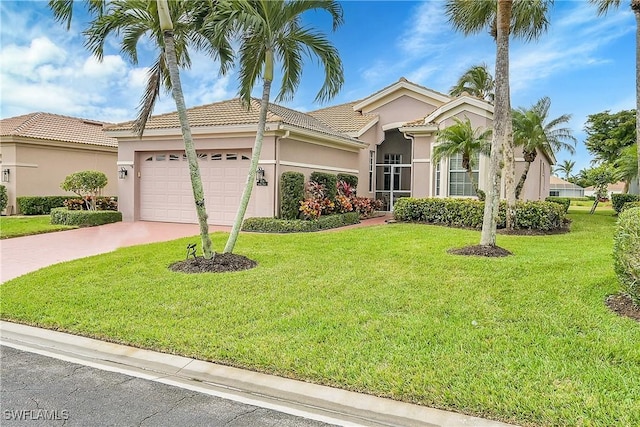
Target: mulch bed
x: 481, y: 250
x: 221, y: 263
x: 623, y: 305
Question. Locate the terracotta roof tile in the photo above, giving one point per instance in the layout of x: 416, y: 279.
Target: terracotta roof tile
x: 342, y: 117
x: 55, y: 127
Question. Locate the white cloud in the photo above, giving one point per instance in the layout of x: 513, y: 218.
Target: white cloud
x: 111, y: 67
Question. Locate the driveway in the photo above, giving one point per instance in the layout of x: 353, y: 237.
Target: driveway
x: 23, y: 255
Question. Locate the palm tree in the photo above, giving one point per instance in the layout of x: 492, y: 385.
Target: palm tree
x: 534, y: 131
x: 462, y: 139
x: 138, y: 20
x: 476, y: 81
x: 271, y: 31
x: 566, y: 167
x: 626, y: 167
x: 603, y: 8
x: 522, y: 18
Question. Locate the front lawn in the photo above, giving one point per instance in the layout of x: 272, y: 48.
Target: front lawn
x: 385, y: 310
x: 16, y: 226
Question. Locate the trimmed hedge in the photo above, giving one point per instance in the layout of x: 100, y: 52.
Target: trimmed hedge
x: 39, y: 205
x: 329, y: 181
x: 3, y: 197
x: 618, y: 200
x: 630, y: 205
x: 564, y: 201
x: 291, y: 194
x: 626, y: 252
x: 275, y: 225
x: 544, y: 216
x: 352, y: 180
x: 64, y: 216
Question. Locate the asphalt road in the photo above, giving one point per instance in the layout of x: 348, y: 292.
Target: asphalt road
x: 41, y: 391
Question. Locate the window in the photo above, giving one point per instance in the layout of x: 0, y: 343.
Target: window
x: 216, y: 156
x: 149, y: 159
x: 437, y: 179
x: 160, y: 157
x: 174, y: 157
x: 392, y: 159
x: 245, y: 157
x: 372, y: 168
x: 231, y: 156
x: 554, y: 193
x: 459, y: 183
x: 202, y: 156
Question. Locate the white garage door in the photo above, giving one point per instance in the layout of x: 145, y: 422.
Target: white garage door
x: 165, y: 186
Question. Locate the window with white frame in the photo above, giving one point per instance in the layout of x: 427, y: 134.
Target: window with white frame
x: 392, y: 159
x: 437, y: 179
x: 459, y: 182
x: 372, y: 168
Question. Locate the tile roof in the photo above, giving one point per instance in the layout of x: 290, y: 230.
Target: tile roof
x: 343, y: 118
x: 55, y: 127
x: 232, y: 112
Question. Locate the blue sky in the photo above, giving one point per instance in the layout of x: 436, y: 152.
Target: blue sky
x: 584, y: 63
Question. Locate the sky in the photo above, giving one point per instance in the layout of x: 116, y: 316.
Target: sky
x: 585, y: 63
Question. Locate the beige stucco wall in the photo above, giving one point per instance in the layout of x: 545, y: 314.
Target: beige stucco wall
x: 37, y: 168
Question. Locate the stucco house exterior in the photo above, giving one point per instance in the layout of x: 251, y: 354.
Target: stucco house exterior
x: 561, y: 188
x: 386, y: 139
x: 38, y: 150
x: 615, y: 188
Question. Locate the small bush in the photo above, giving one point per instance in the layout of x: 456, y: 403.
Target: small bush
x: 65, y: 216
x: 352, y: 180
x: 564, y: 201
x: 545, y: 216
x: 329, y: 180
x: 291, y: 194
x: 618, y: 200
x: 3, y: 197
x: 630, y: 205
x: 626, y: 252
x: 39, y: 205
x: 275, y: 225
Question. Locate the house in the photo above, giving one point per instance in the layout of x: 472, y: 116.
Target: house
x: 615, y: 188
x: 386, y: 139
x: 562, y: 188
x: 38, y: 150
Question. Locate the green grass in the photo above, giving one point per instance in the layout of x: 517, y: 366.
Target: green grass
x: 384, y: 310
x: 16, y: 226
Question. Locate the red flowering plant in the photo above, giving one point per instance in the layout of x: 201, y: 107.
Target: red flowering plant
x: 315, y: 203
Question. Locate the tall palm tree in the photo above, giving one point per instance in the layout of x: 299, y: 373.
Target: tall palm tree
x: 534, y: 131
x: 476, y: 81
x: 526, y: 19
x: 138, y: 20
x: 566, y: 167
x: 270, y: 32
x: 603, y: 7
x: 461, y: 138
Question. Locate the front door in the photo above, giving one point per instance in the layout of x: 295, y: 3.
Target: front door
x: 393, y: 180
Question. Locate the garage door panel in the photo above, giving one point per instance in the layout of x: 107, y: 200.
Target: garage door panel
x: 165, y: 186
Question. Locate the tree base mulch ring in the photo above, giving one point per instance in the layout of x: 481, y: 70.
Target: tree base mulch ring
x: 622, y: 305
x: 221, y: 263
x: 481, y: 250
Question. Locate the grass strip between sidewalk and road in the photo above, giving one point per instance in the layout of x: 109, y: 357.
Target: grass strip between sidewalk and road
x: 384, y: 310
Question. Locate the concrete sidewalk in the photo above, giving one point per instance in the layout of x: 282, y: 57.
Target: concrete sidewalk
x: 326, y: 404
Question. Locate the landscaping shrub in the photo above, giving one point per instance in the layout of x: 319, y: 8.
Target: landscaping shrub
x: 564, y: 201
x: 39, y: 205
x: 545, y: 216
x: 618, y: 200
x: 85, y: 218
x: 275, y: 225
x: 329, y: 181
x: 630, y: 205
x: 352, y: 180
x: 86, y: 184
x: 626, y: 252
x: 102, y: 204
x: 3, y: 197
x: 291, y: 194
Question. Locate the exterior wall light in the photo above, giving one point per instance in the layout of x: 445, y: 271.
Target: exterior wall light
x: 260, y: 180
x: 5, y: 175
x: 122, y: 173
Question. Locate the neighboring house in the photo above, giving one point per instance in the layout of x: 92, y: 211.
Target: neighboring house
x: 385, y: 139
x: 38, y: 150
x: 616, y: 188
x: 562, y: 188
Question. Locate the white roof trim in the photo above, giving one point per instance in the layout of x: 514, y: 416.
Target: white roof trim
x: 439, y: 113
x: 365, y: 128
x: 401, y: 84
x: 395, y: 125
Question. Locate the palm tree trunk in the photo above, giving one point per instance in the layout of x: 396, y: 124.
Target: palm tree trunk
x: 523, y: 178
x: 500, y: 124
x: 255, y: 157
x: 635, y: 6
x: 189, y: 148
x: 474, y: 184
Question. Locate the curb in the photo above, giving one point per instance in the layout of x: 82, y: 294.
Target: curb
x: 322, y: 403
